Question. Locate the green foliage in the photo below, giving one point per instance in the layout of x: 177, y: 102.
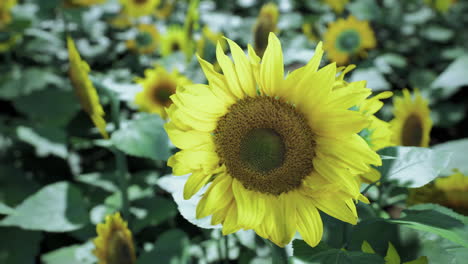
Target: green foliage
x: 143, y: 137
x: 58, y: 207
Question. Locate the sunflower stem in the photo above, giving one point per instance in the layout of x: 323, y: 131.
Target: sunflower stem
x: 278, y: 255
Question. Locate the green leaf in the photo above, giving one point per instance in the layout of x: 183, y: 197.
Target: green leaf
x: 171, y: 247
x: 458, y: 161
x: 143, y: 137
x: 49, y: 106
x: 104, y: 180
x: 76, y: 254
x: 437, y: 33
x: 324, y: 254
x: 19, y: 82
x: 453, y: 77
x: 16, y: 186
x: 57, y: 207
x: 375, y: 79
x: 154, y: 211
x: 19, y: 246
x: 46, y: 140
x: 365, y: 9
x: 5, y: 209
x: 438, y: 220
x: 414, y: 166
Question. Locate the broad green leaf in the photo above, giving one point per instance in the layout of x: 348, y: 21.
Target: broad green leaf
x: 365, y: 9
x: 458, y: 160
x: 18, y: 82
x: 453, y: 77
x: 366, y: 231
x: 5, y: 209
x: 171, y: 247
x: 19, y: 246
x: 76, y: 254
x: 153, y: 211
x: 49, y: 106
x: 105, y: 181
x: 414, y: 166
x: 143, y: 137
x: 437, y: 33
x: 324, y: 254
x: 375, y: 79
x: 46, y: 140
x: 58, y: 207
x: 16, y: 186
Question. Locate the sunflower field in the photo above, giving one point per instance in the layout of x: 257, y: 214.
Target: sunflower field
x: 243, y: 131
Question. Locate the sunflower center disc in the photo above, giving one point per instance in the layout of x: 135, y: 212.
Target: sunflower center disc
x: 144, y: 39
x: 118, y: 250
x: 348, y: 41
x: 162, y: 94
x: 412, y: 131
x: 266, y: 144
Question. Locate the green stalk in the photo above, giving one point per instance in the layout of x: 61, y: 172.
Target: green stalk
x: 278, y: 255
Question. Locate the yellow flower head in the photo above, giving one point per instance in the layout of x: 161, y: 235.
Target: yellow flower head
x: 337, y: 5
x: 440, y: 5
x: 165, y: 9
x: 84, y: 88
x: 8, y: 40
x: 412, y: 123
x: 81, y: 3
x: 267, y: 22
x: 5, y: 9
x: 174, y: 40
x: 146, y: 41
x: 158, y: 86
x: 392, y: 256
x: 114, y: 243
x: 273, y: 150
x: 138, y: 8
x: 348, y: 37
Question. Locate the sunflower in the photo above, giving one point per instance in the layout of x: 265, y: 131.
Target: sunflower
x: 337, y: 5
x: 84, y: 88
x: 165, y: 9
x: 412, y: 123
x: 392, y: 256
x: 146, y: 41
x: 8, y: 40
x: 158, y: 86
x: 114, y: 243
x: 5, y: 9
x: 440, y: 5
x: 348, y: 37
x: 273, y: 150
x: 138, y: 8
x: 266, y: 22
x: 82, y: 3
x: 448, y: 191
x: 174, y: 40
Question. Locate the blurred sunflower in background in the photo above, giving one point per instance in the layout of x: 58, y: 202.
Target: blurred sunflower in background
x: 158, y: 85
x: 84, y: 88
x: 392, y: 256
x: 165, y: 8
x: 114, y: 244
x: 8, y: 40
x: 267, y: 21
x: 276, y: 150
x: 138, y: 8
x: 146, y: 41
x: 82, y: 3
x: 412, y: 123
x: 337, y: 5
x: 348, y: 37
x: 174, y: 40
x: 451, y: 191
x: 5, y: 11
x: 440, y: 5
